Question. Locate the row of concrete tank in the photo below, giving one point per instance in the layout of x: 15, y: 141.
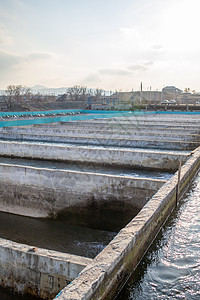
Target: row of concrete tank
x: 74, y: 168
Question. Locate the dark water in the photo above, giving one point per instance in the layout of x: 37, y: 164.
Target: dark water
x: 6, y: 294
x: 54, y: 235
x: 51, y: 234
x: 169, y: 270
x: 171, y: 267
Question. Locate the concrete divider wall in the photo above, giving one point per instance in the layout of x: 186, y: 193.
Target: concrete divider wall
x: 131, y: 127
x: 104, y: 277
x: 137, y: 134
x: 144, y: 159
x: 130, y: 123
x: 106, y: 141
x: 40, y: 272
x: 43, y: 192
x: 179, y: 129
x: 100, y: 129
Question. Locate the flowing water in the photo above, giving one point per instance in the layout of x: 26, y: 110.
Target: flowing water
x: 54, y: 235
x: 171, y: 267
x: 51, y: 234
x: 169, y: 270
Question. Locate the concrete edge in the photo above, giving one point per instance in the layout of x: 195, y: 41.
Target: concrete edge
x: 106, y: 156
x: 104, y: 277
x: 37, y: 271
x: 55, y: 172
x: 45, y: 252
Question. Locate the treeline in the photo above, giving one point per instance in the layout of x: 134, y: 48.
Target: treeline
x: 18, y: 94
x: 81, y: 93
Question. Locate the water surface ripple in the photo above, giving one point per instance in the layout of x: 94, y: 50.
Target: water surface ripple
x: 171, y: 268
x: 54, y: 235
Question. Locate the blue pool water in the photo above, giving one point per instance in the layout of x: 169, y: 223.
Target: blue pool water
x: 78, y: 114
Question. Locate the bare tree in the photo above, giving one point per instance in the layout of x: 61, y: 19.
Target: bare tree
x: 15, y: 94
x: 36, y: 97
x: 98, y: 93
x: 187, y: 90
x: 77, y: 93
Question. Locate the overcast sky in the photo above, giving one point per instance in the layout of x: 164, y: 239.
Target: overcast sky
x: 110, y: 44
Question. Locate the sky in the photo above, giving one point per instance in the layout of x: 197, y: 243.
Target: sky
x: 108, y: 44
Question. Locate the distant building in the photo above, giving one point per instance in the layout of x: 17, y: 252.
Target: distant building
x: 172, y: 90
x: 139, y: 97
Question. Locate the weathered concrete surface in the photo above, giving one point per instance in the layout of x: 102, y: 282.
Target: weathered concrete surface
x: 126, y: 127
x: 144, y: 159
x: 40, y: 272
x: 149, y: 131
x: 130, y: 123
x: 44, y: 192
x: 74, y: 126
x: 120, y: 132
x: 106, y: 141
x: 110, y: 269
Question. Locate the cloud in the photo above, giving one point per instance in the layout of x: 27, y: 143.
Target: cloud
x: 22, y: 68
x: 157, y: 47
x: 4, y: 14
x: 8, y: 60
x: 117, y: 72
x: 9, y: 64
x: 129, y: 33
x: 5, y: 38
x: 92, y: 78
x: 39, y: 56
x: 148, y: 64
x: 136, y: 68
x: 141, y: 67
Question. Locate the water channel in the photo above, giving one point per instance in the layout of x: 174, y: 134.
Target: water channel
x: 56, y: 235
x: 171, y: 267
x: 87, y: 167
x: 169, y: 270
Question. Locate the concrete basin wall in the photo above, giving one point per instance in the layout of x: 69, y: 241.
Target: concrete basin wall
x: 117, y: 132
x: 104, y: 277
x: 150, y: 143
x: 44, y: 192
x: 114, y: 123
x: 70, y: 126
x: 145, y: 159
x: 40, y: 272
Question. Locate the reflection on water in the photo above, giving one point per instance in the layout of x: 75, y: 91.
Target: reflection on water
x: 171, y: 268
x: 54, y: 235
